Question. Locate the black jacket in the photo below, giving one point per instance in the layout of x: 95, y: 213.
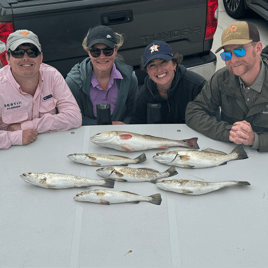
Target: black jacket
x: 185, y: 86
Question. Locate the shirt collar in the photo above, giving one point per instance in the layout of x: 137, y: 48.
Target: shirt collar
x: 115, y: 74
x: 257, y: 85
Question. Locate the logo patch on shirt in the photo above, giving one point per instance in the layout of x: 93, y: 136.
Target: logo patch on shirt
x: 47, y: 97
x: 12, y: 105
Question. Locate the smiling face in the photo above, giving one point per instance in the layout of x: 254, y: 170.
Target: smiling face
x: 24, y: 67
x: 102, y: 63
x: 247, y: 65
x: 161, y: 71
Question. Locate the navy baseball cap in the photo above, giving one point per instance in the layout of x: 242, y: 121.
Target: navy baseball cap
x: 157, y: 50
x: 101, y: 35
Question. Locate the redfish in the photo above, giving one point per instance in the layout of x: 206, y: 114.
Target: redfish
x: 129, y: 141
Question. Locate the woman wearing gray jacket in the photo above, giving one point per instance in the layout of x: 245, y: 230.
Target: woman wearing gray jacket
x: 101, y: 79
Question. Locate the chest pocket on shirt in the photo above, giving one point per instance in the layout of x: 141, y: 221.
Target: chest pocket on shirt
x: 48, y: 106
x: 15, y: 117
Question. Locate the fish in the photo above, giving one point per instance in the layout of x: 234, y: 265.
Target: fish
x: 130, y: 142
x: 62, y: 181
x: 107, y: 197
x: 126, y: 174
x: 199, y: 159
x: 106, y: 160
x: 193, y: 187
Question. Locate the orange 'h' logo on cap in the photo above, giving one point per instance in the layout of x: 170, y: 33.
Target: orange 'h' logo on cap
x: 24, y: 33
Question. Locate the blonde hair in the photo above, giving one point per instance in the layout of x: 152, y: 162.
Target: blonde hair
x: 119, y: 38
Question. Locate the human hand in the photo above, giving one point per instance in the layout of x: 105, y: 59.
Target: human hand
x: 242, y: 133
x: 14, y: 127
x: 118, y: 123
x: 29, y: 136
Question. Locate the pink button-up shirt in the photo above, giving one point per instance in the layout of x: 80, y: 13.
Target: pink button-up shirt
x: 52, y: 108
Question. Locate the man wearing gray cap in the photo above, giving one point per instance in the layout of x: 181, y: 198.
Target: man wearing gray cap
x: 240, y: 89
x: 34, y: 97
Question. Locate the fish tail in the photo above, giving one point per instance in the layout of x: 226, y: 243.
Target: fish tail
x: 108, y: 183
x: 241, y: 183
x: 172, y: 171
x: 141, y: 158
x: 239, y: 149
x: 156, y: 199
x: 192, y: 143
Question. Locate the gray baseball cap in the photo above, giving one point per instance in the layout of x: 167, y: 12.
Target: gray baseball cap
x: 20, y: 37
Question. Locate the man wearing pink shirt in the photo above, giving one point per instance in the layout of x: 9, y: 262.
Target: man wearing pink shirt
x: 34, y: 97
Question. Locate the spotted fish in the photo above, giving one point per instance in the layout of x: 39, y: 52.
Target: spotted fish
x: 107, y: 197
x: 126, y: 174
x: 61, y: 181
x: 199, y: 159
x: 106, y: 160
x: 192, y: 187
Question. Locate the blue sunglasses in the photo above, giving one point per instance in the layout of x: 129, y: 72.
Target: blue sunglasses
x: 239, y: 52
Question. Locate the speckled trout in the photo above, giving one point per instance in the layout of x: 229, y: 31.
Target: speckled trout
x: 105, y: 159
x: 199, y: 159
x: 129, y: 141
x: 126, y: 174
x: 107, y: 197
x: 61, y: 181
x: 192, y: 187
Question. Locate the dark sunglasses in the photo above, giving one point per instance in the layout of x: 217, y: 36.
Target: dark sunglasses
x: 19, y: 53
x: 239, y: 52
x: 95, y: 52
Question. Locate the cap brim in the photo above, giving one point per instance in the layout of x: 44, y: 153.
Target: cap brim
x: 234, y: 42
x: 101, y: 41
x: 158, y: 56
x: 23, y: 41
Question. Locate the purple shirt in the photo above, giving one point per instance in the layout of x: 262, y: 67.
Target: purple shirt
x: 99, y: 96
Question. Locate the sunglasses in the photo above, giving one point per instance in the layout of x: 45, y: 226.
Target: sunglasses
x: 239, y: 52
x: 95, y: 52
x: 19, y: 53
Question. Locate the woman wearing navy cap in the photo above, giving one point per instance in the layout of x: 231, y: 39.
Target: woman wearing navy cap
x: 102, y: 79
x: 168, y: 84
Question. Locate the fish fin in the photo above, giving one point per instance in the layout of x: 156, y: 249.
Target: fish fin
x: 129, y: 192
x: 172, y: 171
x: 154, y: 181
x: 127, y: 149
x: 118, y: 174
x: 156, y: 199
x: 121, y: 156
x: 222, y: 164
x: 148, y: 169
x: 192, y: 143
x: 104, y: 202
x: 108, y: 183
x: 125, y: 136
x: 91, y: 157
x: 141, y: 158
x: 184, y: 157
x: 121, y: 180
x: 188, y: 166
x: 243, y: 183
x: 95, y: 164
x: 239, y: 149
x: 187, y: 192
x: 162, y: 147
x: 134, y: 202
x: 209, y: 150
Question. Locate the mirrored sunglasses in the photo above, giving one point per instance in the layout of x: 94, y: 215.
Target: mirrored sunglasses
x: 239, y: 52
x: 19, y: 53
x: 95, y: 52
